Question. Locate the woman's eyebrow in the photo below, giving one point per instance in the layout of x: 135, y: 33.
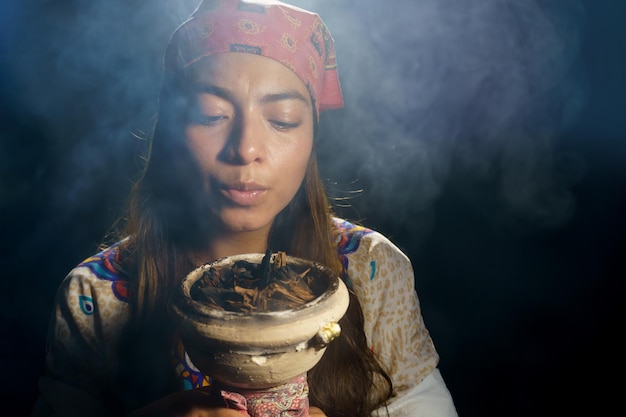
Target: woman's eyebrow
x: 212, y: 89
x: 289, y: 94
x: 284, y: 95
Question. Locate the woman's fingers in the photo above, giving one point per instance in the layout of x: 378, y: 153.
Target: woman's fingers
x: 316, y: 412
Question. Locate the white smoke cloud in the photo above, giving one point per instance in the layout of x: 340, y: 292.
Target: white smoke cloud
x: 435, y: 91
x: 438, y: 90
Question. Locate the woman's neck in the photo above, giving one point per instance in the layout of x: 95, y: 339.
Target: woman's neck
x: 229, y: 244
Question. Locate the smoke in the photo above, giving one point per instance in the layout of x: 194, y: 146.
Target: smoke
x: 85, y: 75
x: 437, y: 92
x: 474, y: 93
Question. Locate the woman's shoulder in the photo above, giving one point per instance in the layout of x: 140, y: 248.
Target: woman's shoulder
x: 100, y: 274
x: 353, y: 238
x: 91, y: 308
x: 368, y: 257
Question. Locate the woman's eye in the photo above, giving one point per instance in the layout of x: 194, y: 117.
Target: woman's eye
x: 207, y: 120
x: 283, y: 125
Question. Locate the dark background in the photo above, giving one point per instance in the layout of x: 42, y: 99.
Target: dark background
x: 525, y: 309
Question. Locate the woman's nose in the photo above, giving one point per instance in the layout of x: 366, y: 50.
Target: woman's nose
x: 246, y: 144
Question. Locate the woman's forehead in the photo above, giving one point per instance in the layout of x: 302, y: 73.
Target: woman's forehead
x: 235, y: 71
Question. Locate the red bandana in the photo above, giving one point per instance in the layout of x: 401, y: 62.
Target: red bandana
x: 290, y: 35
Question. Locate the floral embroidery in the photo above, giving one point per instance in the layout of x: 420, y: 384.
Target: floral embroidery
x: 348, y: 241
x: 105, y: 265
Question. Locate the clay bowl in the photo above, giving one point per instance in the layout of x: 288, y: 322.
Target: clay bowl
x: 258, y: 349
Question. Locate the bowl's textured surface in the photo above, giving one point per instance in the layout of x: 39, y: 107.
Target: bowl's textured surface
x: 258, y: 349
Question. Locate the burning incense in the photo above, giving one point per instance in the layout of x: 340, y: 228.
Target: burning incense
x: 270, y: 286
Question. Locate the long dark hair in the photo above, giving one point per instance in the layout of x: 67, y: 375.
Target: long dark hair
x: 163, y: 223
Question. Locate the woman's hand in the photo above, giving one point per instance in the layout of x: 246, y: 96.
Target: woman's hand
x: 316, y: 412
x: 195, y: 403
x: 192, y: 403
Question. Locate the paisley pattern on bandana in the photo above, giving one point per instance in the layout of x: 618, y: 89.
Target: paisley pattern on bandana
x: 248, y: 27
x: 292, y: 36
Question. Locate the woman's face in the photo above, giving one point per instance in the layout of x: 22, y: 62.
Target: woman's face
x: 251, y: 132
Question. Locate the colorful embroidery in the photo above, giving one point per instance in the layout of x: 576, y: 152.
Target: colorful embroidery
x: 348, y: 241
x: 86, y: 304
x: 191, y: 376
x: 105, y: 265
x: 389, y: 303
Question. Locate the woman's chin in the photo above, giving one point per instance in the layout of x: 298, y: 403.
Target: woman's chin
x: 245, y: 224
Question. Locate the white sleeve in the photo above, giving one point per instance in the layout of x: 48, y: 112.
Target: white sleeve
x: 384, y: 281
x: 429, y: 398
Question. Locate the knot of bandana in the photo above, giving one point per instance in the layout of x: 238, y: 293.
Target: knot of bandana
x: 290, y: 35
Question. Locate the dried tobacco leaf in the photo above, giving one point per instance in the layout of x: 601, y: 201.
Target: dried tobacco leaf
x: 248, y: 287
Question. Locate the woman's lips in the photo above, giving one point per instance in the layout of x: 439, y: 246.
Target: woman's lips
x: 243, y: 194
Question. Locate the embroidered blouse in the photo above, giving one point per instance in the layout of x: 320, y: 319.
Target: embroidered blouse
x: 91, y: 308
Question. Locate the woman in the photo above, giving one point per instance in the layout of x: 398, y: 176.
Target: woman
x: 232, y: 169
